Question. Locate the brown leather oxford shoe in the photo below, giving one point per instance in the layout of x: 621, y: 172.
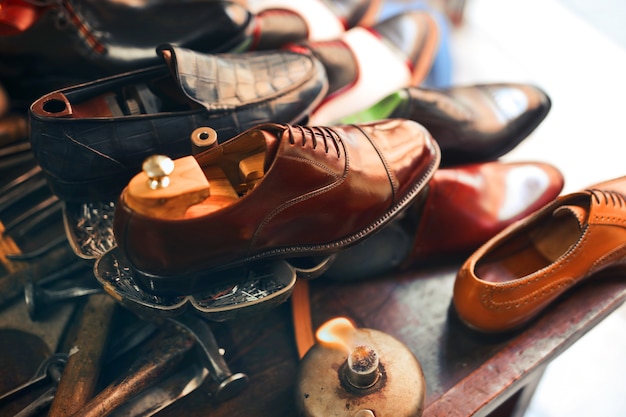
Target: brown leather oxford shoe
x: 461, y: 208
x: 522, y: 270
x: 274, y: 191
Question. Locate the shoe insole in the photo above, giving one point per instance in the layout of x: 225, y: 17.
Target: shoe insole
x: 524, y: 254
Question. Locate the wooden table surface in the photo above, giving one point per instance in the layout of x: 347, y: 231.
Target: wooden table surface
x: 466, y: 373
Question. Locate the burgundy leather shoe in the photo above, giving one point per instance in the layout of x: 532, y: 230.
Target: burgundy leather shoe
x: 525, y: 268
x: 278, y: 22
x: 364, y: 65
x: 471, y: 123
x: 461, y: 209
x: 275, y: 191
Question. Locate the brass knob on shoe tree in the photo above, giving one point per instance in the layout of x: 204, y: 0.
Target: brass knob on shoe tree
x: 158, y: 168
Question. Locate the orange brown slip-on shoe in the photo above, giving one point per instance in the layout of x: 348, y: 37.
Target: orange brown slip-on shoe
x: 519, y: 272
x: 274, y: 191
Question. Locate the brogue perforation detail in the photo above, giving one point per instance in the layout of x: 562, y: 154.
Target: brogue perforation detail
x: 617, y: 255
x: 488, y: 302
x: 613, y: 203
x: 487, y: 295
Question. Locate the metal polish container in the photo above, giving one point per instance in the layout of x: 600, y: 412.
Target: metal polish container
x: 369, y: 374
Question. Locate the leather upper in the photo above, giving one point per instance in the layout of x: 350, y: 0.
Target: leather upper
x: 323, y: 189
x: 518, y: 273
x: 475, y: 122
x: 92, y: 157
x: 80, y: 40
x: 280, y: 22
x: 467, y: 205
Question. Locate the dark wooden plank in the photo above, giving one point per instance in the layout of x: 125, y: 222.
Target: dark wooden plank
x: 465, y: 372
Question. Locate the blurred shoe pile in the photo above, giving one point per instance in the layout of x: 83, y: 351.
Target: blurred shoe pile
x: 225, y: 136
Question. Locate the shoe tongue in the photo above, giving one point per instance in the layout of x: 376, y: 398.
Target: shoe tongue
x: 577, y: 212
x: 271, y: 147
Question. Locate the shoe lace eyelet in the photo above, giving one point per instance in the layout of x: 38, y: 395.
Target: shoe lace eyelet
x: 315, y: 134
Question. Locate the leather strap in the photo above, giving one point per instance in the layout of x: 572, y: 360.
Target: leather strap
x: 301, y: 312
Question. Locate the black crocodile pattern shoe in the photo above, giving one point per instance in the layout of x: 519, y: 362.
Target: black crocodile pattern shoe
x: 90, y: 139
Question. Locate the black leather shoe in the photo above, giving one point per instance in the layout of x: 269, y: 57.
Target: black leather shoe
x: 279, y: 22
x: 90, y: 139
x: 69, y: 42
x: 472, y: 123
x: 364, y: 65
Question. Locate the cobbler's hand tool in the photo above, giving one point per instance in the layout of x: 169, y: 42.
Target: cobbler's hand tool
x: 161, y: 357
x: 38, y: 298
x: 33, y: 217
x: 15, y: 154
x: 164, y: 393
x: 227, y: 384
x: 13, y: 127
x: 20, y: 187
x: 37, y: 252
x: 81, y: 374
x: 49, y: 370
x: 12, y: 285
x: 6, y: 151
x: 68, y: 284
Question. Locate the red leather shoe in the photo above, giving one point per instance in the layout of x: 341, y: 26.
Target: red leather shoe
x: 364, y: 65
x: 467, y: 205
x: 461, y: 209
x: 278, y: 22
x: 521, y: 271
x: 274, y: 191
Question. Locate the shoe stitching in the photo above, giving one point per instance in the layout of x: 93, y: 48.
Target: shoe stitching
x: 601, y: 197
x: 541, y: 293
x: 432, y: 166
x: 392, y: 179
x: 334, y: 136
x: 618, y: 255
x: 489, y: 291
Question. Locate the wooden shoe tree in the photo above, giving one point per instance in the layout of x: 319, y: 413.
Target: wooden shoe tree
x: 187, y: 190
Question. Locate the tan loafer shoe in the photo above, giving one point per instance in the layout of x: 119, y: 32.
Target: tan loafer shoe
x: 522, y: 270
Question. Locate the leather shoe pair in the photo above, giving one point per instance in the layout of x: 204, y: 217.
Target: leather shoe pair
x: 74, y: 41
x: 90, y: 139
x: 278, y: 22
x: 521, y: 271
x: 365, y: 64
x: 471, y: 123
x: 274, y: 191
x: 461, y: 208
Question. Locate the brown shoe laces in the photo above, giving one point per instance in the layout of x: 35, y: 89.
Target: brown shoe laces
x: 317, y: 134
